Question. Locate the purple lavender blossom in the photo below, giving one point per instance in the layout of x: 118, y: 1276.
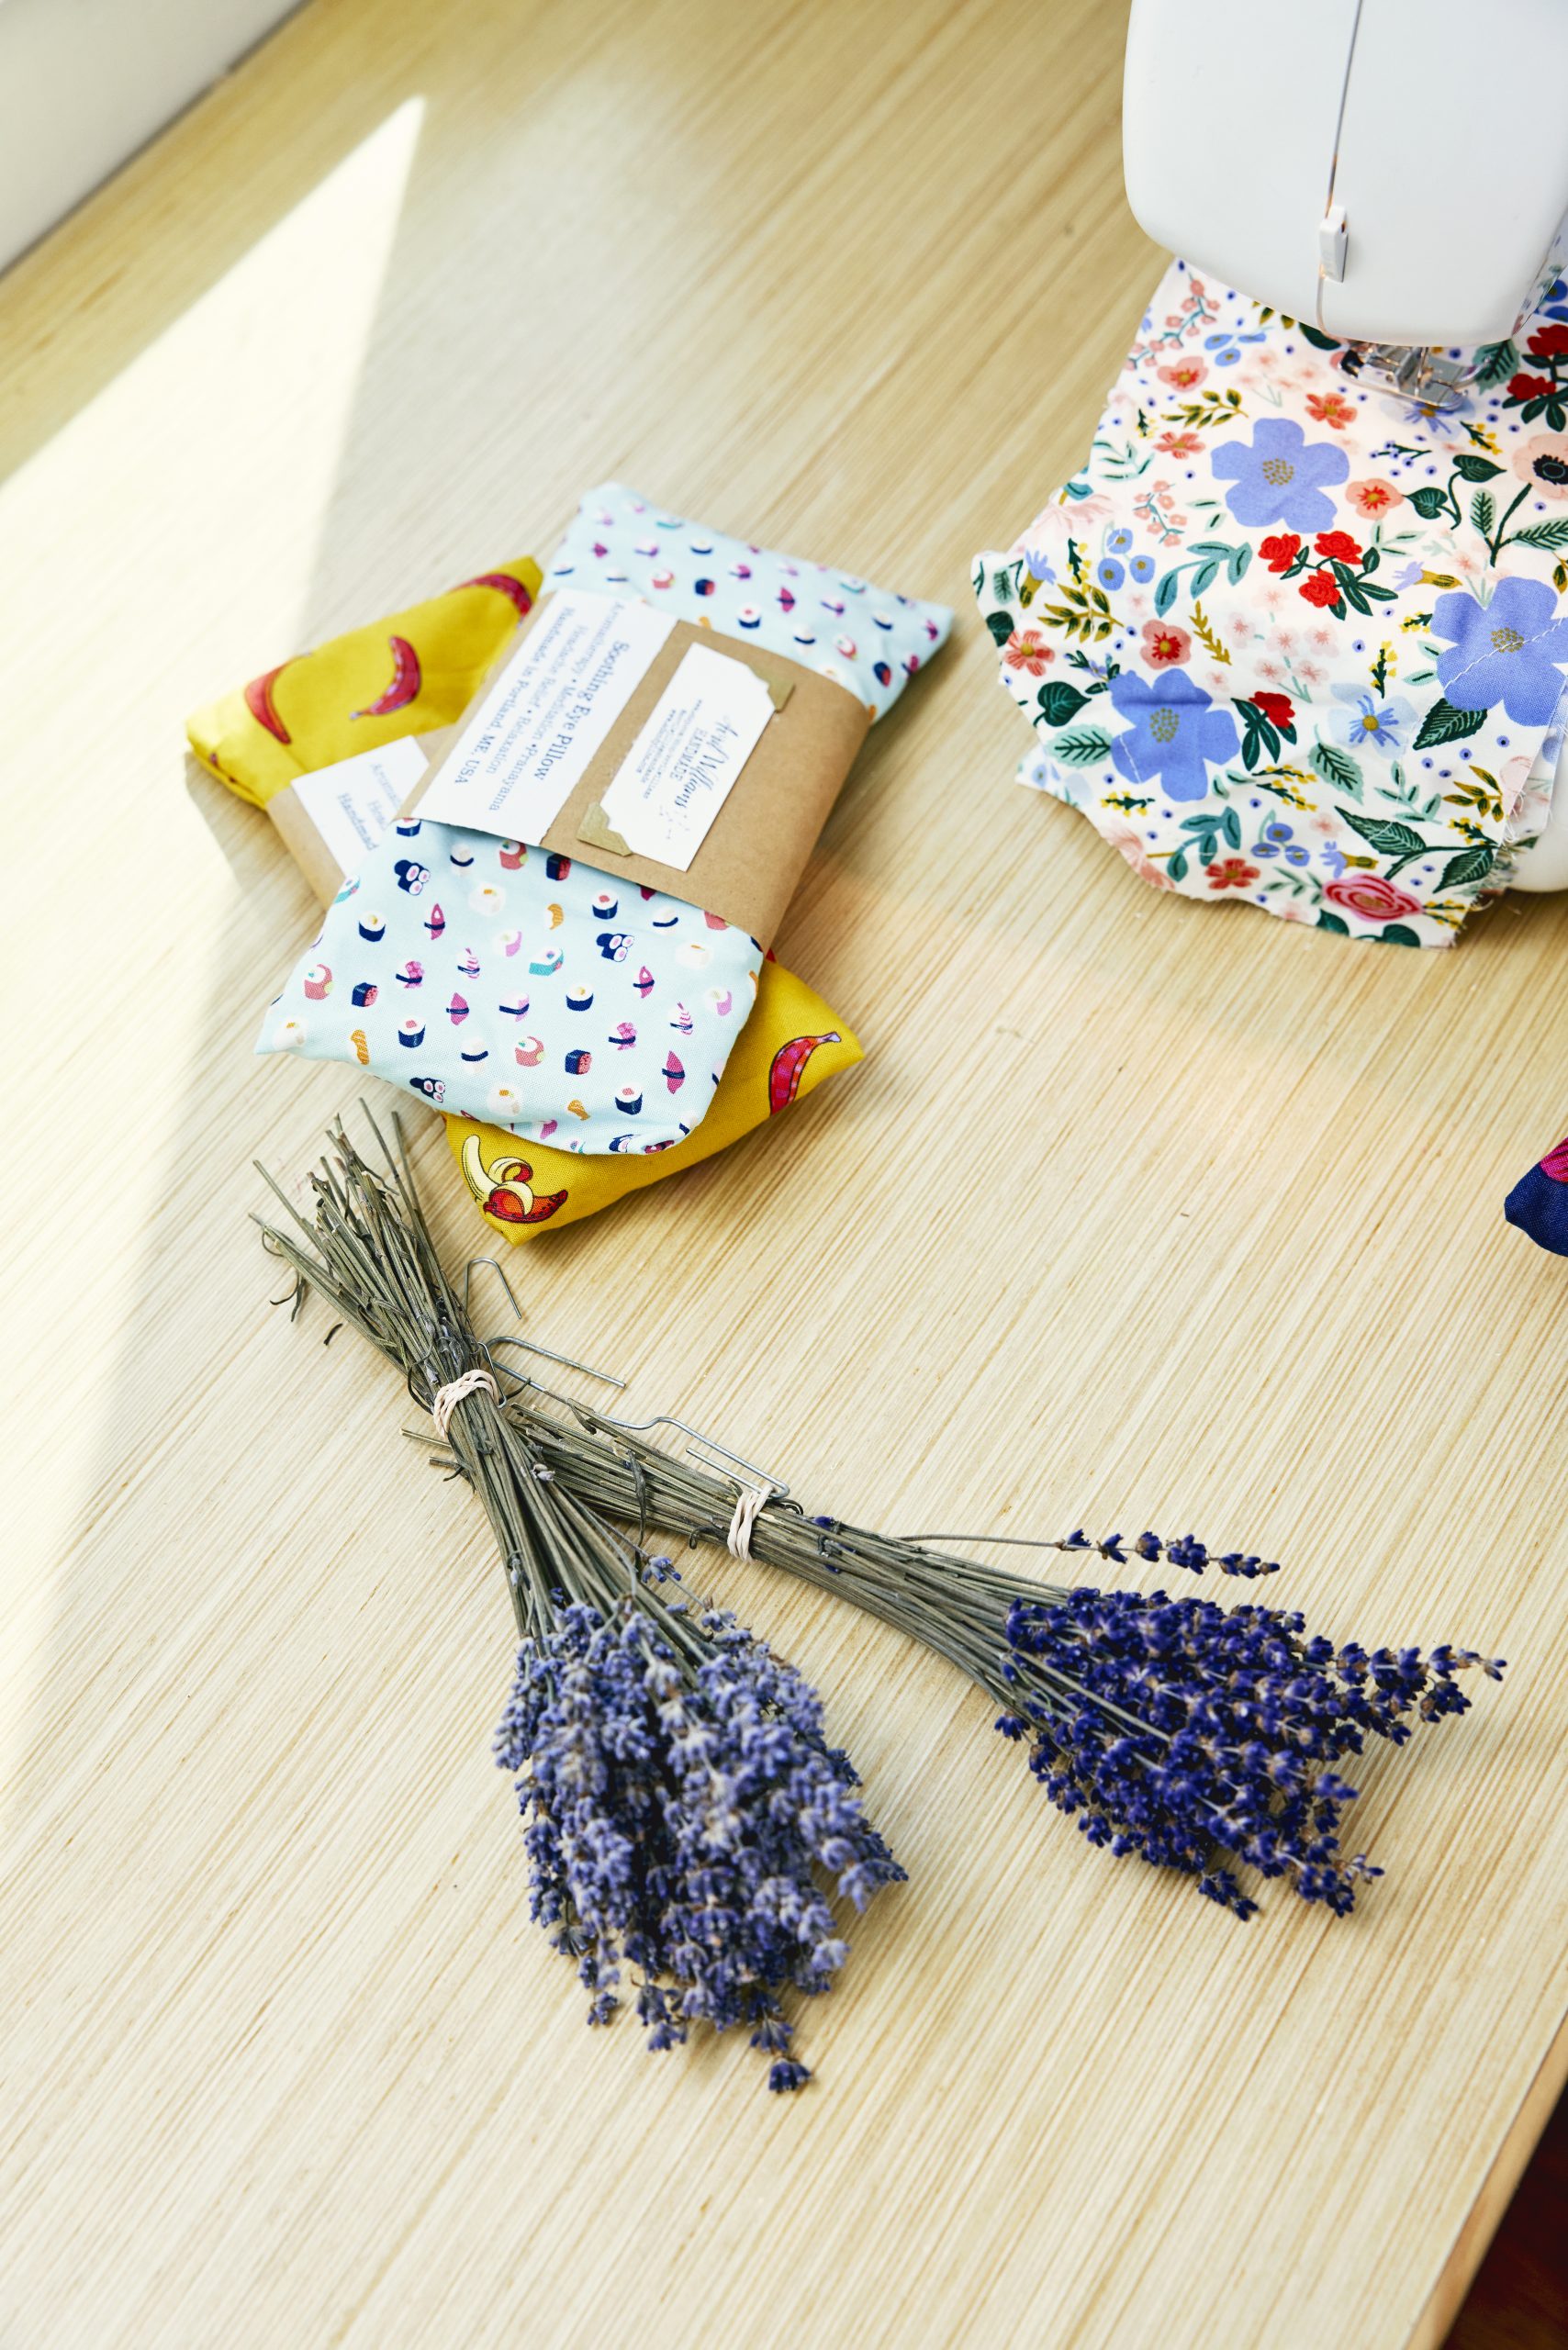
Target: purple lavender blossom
x: 1181, y: 1730
x: 679, y: 1823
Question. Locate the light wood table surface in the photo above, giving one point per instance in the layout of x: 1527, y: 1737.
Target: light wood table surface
x: 1137, y: 1213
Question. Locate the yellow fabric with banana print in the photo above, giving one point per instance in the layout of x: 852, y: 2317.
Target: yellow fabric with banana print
x: 409, y: 674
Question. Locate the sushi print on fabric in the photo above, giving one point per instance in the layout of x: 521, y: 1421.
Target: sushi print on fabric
x: 860, y: 636
x: 505, y: 983
x: 1289, y: 641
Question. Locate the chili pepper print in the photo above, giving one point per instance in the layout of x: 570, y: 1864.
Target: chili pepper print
x: 405, y: 685
x: 789, y: 1066
x: 262, y: 704
x: 516, y: 594
x: 505, y: 1191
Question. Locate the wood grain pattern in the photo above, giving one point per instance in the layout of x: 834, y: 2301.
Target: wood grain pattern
x: 1137, y: 1211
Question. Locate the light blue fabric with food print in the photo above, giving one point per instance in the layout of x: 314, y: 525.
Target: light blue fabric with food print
x: 523, y: 987
x: 545, y: 995
x: 828, y: 620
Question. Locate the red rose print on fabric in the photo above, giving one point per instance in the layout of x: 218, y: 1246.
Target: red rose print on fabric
x: 1369, y: 895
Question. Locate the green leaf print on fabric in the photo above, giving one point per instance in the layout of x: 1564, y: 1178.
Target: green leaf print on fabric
x: 1471, y: 865
x: 1444, y: 723
x: 1086, y: 748
x: 1336, y: 766
x: 1060, y: 701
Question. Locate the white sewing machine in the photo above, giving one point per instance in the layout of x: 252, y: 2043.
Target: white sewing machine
x: 1329, y: 158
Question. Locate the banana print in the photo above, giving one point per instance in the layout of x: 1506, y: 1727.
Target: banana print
x: 503, y: 1191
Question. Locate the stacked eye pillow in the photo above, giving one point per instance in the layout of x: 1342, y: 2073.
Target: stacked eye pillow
x: 542, y: 992
x: 731, y: 1037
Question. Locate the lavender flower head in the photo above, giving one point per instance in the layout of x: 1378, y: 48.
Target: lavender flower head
x: 680, y: 1821
x: 1181, y: 1730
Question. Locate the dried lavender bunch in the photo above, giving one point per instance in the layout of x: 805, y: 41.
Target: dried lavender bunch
x: 1192, y: 1735
x: 1179, y: 1730
x: 682, y: 1805
x: 675, y: 1821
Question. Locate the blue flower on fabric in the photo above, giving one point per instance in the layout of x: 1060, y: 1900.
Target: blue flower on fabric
x: 1281, y: 476
x: 1276, y: 841
x: 1175, y: 734
x: 1509, y: 651
x: 1369, y: 718
x: 1225, y: 349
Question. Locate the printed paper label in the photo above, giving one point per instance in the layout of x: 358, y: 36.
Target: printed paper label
x: 352, y: 804
x: 683, y: 765
x: 514, y: 766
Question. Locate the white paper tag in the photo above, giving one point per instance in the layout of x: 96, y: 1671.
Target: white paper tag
x: 513, y: 768
x: 683, y: 765
x: 352, y: 804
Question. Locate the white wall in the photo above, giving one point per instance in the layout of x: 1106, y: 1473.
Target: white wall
x: 83, y: 83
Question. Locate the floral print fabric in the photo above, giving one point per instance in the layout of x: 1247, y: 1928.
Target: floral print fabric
x: 1290, y: 640
x: 542, y: 994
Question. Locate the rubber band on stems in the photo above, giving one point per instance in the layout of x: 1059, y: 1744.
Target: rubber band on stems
x: 445, y: 1400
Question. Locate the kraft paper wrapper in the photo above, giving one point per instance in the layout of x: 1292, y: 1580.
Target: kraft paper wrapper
x: 305, y: 844
x: 755, y: 850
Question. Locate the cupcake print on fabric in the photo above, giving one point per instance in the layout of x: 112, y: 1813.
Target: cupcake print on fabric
x: 1290, y: 641
x: 865, y: 639
x: 523, y: 989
